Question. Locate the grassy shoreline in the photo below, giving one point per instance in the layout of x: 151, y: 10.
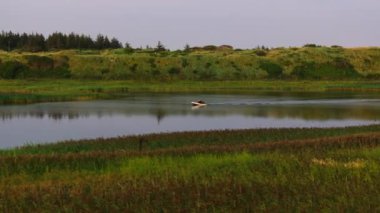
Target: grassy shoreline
x: 31, y: 91
x: 297, y: 169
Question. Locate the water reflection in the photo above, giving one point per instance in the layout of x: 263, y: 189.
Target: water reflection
x: 78, y: 110
x: 48, y: 122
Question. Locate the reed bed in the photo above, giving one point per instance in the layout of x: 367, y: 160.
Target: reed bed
x: 334, y: 169
x: 180, y: 139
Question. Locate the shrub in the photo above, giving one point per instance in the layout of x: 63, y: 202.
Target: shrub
x: 373, y: 76
x: 274, y: 70
x: 225, y: 47
x: 39, y: 62
x: 61, y: 67
x: 185, y: 62
x: 210, y: 47
x: 46, y: 67
x: 339, y: 68
x: 311, y: 45
x: 12, y: 70
x: 174, y: 71
x: 259, y: 52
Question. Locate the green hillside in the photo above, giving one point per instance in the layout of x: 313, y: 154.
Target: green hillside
x: 219, y: 63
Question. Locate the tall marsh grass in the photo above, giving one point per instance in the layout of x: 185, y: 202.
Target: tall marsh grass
x: 242, y: 170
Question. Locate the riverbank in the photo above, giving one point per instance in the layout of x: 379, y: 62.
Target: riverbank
x: 245, y: 170
x: 31, y: 91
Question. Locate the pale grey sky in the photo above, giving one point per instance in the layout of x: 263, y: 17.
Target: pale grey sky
x: 241, y: 23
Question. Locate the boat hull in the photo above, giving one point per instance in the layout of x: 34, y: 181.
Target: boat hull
x: 197, y: 104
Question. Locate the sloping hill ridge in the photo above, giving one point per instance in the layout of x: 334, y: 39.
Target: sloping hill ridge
x: 304, y: 63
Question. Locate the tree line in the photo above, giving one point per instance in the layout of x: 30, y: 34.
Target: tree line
x: 36, y: 42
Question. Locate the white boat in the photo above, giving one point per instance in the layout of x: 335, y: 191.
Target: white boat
x: 198, y: 103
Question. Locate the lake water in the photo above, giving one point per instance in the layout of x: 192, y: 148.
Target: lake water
x: 146, y: 113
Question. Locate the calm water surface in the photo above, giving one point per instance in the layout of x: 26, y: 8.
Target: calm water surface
x: 144, y: 113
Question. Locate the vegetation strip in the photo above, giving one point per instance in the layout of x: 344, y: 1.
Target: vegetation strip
x: 180, y: 139
x: 207, y: 63
x: 300, y: 169
x: 26, y: 92
x: 359, y: 140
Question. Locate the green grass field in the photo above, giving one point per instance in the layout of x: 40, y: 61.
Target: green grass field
x: 333, y: 169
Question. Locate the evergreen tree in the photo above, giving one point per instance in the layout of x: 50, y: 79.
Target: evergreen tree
x: 56, y: 41
x: 128, y: 48
x: 187, y: 48
x: 71, y: 42
x: 115, y: 44
x: 99, y: 42
x: 35, y: 43
x: 160, y: 47
x: 22, y: 41
x: 107, y: 43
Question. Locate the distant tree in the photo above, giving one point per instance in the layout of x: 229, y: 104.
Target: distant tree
x: 210, y: 47
x: 260, y: 52
x: 22, y: 41
x: 56, y: 41
x: 107, y: 43
x: 71, y: 41
x: 115, y: 44
x: 86, y: 42
x: 99, y: 42
x: 160, y: 47
x: 9, y: 40
x: 128, y: 48
x: 51, y: 41
x: 187, y: 48
x: 2, y: 41
x: 35, y: 43
x: 225, y: 47
x: 149, y: 49
x: 311, y: 45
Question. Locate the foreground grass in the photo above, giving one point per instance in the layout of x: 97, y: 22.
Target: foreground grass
x: 31, y: 91
x: 334, y: 169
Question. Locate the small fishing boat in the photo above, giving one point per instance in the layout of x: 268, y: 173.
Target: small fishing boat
x: 198, y: 103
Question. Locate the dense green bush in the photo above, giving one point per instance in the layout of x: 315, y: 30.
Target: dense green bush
x: 375, y: 76
x: 12, y: 70
x: 337, y: 69
x: 260, y: 52
x: 311, y: 45
x: 274, y: 70
x: 39, y: 62
x: 210, y: 47
x: 47, y: 67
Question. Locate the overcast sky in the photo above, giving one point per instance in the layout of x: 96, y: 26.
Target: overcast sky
x: 241, y: 23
